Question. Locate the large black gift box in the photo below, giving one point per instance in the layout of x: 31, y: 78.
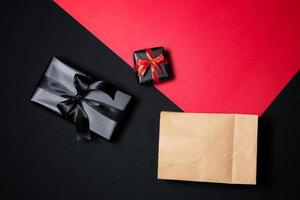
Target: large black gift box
x: 92, y: 105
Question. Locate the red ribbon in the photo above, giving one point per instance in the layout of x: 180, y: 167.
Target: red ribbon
x: 153, y: 62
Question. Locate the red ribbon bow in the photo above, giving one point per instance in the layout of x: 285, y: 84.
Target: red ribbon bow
x: 153, y: 62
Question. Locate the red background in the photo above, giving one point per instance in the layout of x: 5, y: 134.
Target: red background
x: 227, y: 56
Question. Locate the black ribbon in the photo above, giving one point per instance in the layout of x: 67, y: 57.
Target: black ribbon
x: 72, y: 108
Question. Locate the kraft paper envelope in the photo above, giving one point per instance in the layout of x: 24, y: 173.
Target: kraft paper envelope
x: 217, y: 148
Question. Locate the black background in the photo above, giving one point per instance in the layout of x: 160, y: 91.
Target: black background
x: 41, y: 159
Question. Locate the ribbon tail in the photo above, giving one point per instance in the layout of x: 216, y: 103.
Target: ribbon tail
x: 82, y: 123
x: 142, y: 70
x: 74, y: 112
x: 154, y: 75
x: 157, y: 66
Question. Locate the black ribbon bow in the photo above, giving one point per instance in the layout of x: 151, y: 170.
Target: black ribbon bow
x: 72, y: 108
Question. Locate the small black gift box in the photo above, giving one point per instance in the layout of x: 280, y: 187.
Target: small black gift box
x: 150, y: 65
x: 90, y: 104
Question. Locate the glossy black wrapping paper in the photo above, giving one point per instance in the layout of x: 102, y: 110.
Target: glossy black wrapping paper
x: 147, y: 77
x: 95, y: 104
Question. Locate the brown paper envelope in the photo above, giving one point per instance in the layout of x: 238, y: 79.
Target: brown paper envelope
x: 217, y: 148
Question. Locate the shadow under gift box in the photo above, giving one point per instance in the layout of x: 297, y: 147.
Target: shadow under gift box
x: 64, y: 75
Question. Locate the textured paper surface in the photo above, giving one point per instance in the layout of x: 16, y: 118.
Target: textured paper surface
x: 218, y: 148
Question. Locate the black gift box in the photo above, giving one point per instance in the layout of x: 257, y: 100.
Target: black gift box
x: 95, y: 106
x: 161, y: 70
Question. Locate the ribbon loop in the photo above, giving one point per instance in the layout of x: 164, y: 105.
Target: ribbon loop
x: 81, y: 83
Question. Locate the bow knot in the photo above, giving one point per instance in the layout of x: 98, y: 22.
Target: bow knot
x: 73, y: 109
x: 78, y: 98
x: 153, y: 62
